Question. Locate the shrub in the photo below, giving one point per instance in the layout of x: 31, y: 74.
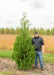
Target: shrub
x: 23, y: 50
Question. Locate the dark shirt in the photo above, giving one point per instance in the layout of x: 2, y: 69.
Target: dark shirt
x: 38, y: 41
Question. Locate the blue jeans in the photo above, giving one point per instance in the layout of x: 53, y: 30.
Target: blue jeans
x: 39, y: 55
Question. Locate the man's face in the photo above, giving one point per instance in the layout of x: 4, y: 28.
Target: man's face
x: 36, y: 35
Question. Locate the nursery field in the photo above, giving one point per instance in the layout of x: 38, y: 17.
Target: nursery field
x: 6, y: 42
x: 8, y: 65
x: 10, y: 68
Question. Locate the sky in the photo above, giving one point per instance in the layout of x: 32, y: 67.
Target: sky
x: 40, y: 13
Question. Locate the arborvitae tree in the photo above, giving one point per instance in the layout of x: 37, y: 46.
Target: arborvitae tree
x: 41, y: 31
x: 47, y: 32
x: 52, y: 31
x: 17, y: 30
x: 7, y: 30
x: 31, y: 31
x: 34, y: 30
x: 2, y: 30
x: 12, y: 31
x: 23, y: 50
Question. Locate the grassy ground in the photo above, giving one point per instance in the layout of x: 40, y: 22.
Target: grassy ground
x: 8, y: 54
x: 11, y: 70
x: 7, y: 73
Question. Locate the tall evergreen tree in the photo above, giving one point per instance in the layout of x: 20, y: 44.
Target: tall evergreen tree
x: 23, y: 50
x: 52, y: 31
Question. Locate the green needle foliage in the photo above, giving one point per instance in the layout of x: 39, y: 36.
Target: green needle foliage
x: 23, y: 50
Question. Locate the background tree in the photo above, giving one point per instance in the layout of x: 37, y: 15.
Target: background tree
x: 17, y: 30
x: 41, y: 31
x: 7, y: 30
x: 2, y: 30
x: 52, y: 31
x: 34, y: 30
x: 12, y: 31
x: 23, y: 50
x: 47, y: 32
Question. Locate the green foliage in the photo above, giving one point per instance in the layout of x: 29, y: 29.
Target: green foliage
x: 48, y: 32
x: 41, y: 31
x: 34, y: 30
x: 47, y: 57
x: 2, y: 30
x: 12, y: 31
x: 23, y: 50
x: 52, y: 31
x: 17, y: 30
x: 6, y: 31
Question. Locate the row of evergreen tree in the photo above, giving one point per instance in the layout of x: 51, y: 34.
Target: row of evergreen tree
x: 41, y: 31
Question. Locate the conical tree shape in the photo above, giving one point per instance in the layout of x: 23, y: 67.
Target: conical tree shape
x: 23, y: 50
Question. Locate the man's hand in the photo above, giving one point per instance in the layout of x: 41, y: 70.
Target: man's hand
x: 42, y: 51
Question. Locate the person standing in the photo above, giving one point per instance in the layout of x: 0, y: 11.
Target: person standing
x: 39, y: 43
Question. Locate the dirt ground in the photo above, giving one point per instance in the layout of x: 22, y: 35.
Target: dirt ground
x: 9, y: 66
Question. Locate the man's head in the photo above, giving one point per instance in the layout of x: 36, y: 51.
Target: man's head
x: 36, y: 34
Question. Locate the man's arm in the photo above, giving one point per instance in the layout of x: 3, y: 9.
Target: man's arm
x: 42, y: 48
x: 32, y: 41
x: 42, y: 42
